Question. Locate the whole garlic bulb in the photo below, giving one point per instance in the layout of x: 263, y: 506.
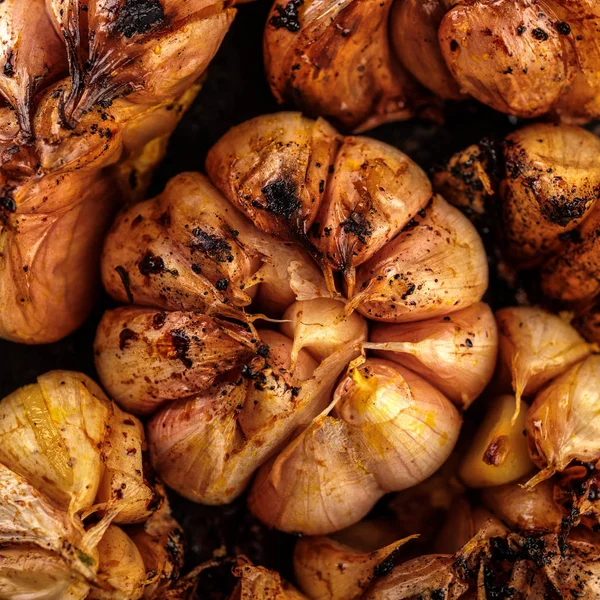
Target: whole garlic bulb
x: 69, y: 453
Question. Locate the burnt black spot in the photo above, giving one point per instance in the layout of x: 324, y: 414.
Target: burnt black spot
x: 222, y: 284
x: 181, y: 343
x: 563, y: 28
x: 139, y: 16
x: 125, y: 337
x: 539, y: 34
x: 521, y: 29
x: 287, y: 16
x: 281, y: 198
x: 151, y: 265
x: 158, y: 320
x: 124, y: 275
x: 212, y: 245
x: 409, y: 291
x: 468, y: 343
x: 454, y: 45
x: 562, y: 211
x: 438, y: 594
x: 9, y: 69
x: 263, y: 350
x: 7, y: 202
x: 358, y: 226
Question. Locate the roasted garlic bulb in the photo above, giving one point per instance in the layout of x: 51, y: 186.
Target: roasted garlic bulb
x: 92, y: 92
x: 362, y: 64
x: 81, y: 517
x: 328, y: 428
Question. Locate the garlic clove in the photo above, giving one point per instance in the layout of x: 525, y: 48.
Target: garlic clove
x: 121, y: 572
x: 52, y: 434
x: 527, y: 510
x: 273, y: 168
x: 433, y: 268
x: 550, y: 186
x: 328, y: 569
x: 536, y: 346
x: 457, y: 352
x: 414, y: 36
x: 563, y: 421
x: 316, y: 326
x: 528, y: 76
x: 498, y: 453
x: 258, y: 583
x: 374, y: 191
x: 147, y: 357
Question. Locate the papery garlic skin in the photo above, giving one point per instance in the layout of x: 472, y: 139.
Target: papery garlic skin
x: 563, y: 421
x: 389, y: 430
x: 258, y: 583
x: 456, y: 352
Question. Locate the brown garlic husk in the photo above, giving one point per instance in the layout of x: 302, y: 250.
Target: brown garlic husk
x: 456, y: 352
x: 147, y: 357
x: 550, y: 188
x: 208, y: 446
x: 536, y: 346
x: 315, y: 325
x: 340, y: 567
x: 435, y: 267
x: 464, y: 522
x: 414, y: 28
x: 258, y: 583
x: 563, y: 421
x: 526, y: 510
x: 498, y: 453
x: 388, y: 430
x: 523, y: 74
x: 361, y: 85
x: 588, y: 323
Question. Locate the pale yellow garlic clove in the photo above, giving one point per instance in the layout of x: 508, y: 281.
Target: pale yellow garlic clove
x: 328, y: 568
x: 456, y: 352
x: 315, y: 325
x: 434, y: 267
x: 536, y: 346
x: 121, y: 571
x: 389, y: 430
x: 531, y: 511
x: 563, y: 422
x: 498, y: 453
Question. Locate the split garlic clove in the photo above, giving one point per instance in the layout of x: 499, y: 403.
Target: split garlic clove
x: 435, y: 267
x: 274, y: 169
x: 121, y: 571
x: 414, y: 35
x: 524, y: 73
x: 148, y: 357
x: 563, y: 421
x: 530, y: 511
x: 536, y: 346
x: 330, y: 568
x: 550, y: 187
x: 361, y: 85
x: 53, y: 433
x: 498, y: 453
x: 389, y: 430
x: 319, y: 327
x: 456, y: 352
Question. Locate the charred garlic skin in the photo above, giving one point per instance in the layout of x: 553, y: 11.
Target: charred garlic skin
x: 321, y: 235
x: 522, y: 58
x: 93, y: 90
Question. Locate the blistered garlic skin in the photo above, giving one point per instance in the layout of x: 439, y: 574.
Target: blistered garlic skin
x: 456, y: 352
x: 389, y: 430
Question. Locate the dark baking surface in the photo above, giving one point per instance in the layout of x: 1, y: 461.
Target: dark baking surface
x: 235, y: 91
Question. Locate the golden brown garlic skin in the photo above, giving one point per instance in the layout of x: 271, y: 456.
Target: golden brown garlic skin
x: 95, y: 100
x: 522, y: 57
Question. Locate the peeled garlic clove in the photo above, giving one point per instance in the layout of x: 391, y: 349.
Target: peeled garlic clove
x: 123, y: 487
x: 274, y: 168
x: 550, y: 187
x: 498, y: 453
x: 528, y: 510
x: 316, y: 326
x: 121, y: 570
x: 258, y: 583
x: 52, y: 434
x: 536, y: 346
x: 524, y: 75
x: 147, y: 357
x: 436, y: 266
x: 374, y: 191
x: 385, y: 418
x: 563, y: 421
x: 328, y: 569
x: 457, y: 352
x: 414, y: 35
